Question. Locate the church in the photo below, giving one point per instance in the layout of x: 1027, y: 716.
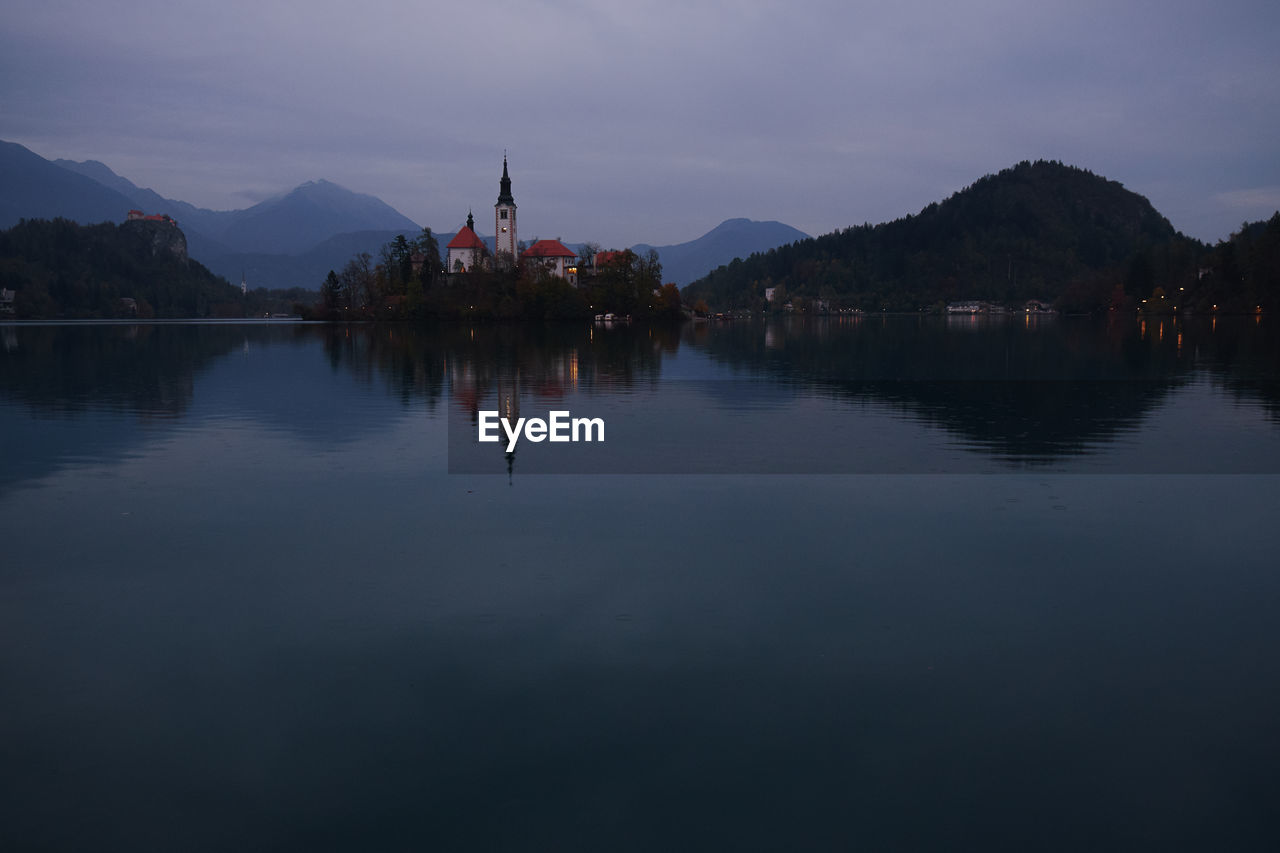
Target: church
x: 467, y: 250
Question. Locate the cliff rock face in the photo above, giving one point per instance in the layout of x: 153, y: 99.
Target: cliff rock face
x: 158, y: 236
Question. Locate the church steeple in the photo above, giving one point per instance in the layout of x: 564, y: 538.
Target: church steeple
x: 504, y: 186
x: 504, y: 217
x: 471, y: 221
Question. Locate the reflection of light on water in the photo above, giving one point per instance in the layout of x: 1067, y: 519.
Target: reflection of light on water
x: 509, y: 399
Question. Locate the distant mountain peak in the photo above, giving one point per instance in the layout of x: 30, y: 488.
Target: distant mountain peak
x: 738, y: 237
x: 95, y: 165
x: 307, y: 215
x: 102, y: 173
x: 321, y: 183
x: 329, y: 192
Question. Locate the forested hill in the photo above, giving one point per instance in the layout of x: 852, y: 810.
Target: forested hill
x: 139, y: 268
x: 1031, y: 231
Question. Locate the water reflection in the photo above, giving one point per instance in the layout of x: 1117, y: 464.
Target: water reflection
x: 253, y: 612
x: 146, y: 370
x: 1016, y: 390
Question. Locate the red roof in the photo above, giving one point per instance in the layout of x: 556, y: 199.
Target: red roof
x: 465, y: 239
x: 155, y: 217
x: 548, y: 249
x: 609, y: 257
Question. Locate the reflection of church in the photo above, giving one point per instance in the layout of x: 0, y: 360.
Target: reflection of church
x: 544, y: 374
x: 467, y: 251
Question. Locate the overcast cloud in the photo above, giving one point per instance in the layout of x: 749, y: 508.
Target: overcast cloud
x: 653, y: 121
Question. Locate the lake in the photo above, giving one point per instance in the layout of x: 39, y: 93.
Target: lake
x: 857, y: 582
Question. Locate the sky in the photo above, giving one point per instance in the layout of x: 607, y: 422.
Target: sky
x: 651, y: 121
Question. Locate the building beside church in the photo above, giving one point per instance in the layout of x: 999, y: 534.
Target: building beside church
x: 554, y: 257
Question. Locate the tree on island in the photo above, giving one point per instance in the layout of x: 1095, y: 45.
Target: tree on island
x: 628, y: 284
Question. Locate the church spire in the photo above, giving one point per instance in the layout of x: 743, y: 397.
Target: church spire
x: 504, y: 187
x: 504, y: 219
x: 471, y: 221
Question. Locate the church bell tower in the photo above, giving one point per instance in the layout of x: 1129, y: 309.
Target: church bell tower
x: 504, y: 217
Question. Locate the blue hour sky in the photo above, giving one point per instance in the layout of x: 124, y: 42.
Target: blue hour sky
x: 652, y: 121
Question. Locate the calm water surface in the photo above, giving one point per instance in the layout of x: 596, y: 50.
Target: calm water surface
x: 876, y: 584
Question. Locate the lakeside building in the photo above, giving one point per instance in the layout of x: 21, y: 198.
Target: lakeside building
x: 554, y: 257
x: 467, y: 251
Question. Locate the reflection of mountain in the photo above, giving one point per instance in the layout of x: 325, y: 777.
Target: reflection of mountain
x: 1025, y: 421
x: 1245, y: 358
x: 1015, y: 392
x: 1016, y: 389
x: 89, y: 386
x: 98, y: 393
x: 144, y: 369
x: 149, y: 370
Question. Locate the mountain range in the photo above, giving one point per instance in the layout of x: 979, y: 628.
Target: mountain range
x: 294, y: 239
